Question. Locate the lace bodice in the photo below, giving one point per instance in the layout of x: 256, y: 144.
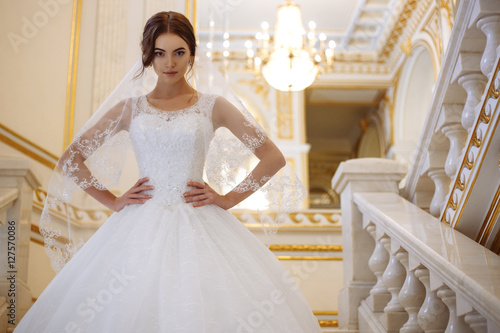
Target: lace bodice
x: 170, y: 146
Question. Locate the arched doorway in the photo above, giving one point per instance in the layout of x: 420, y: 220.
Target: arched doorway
x: 413, y: 97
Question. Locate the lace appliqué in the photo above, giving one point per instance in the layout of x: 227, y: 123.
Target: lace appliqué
x: 250, y: 184
x: 202, y: 106
x: 86, y: 147
x: 254, y: 142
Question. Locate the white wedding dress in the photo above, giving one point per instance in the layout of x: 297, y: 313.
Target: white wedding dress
x: 165, y: 266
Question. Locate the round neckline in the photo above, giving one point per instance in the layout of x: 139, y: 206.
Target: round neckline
x: 186, y: 108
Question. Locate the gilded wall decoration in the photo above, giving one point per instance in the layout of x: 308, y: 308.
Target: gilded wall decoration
x: 284, y: 114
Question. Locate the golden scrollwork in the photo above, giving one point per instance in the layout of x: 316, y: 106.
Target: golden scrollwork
x: 399, y: 28
x: 485, y: 114
x: 313, y: 217
x: 476, y: 139
x: 305, y: 218
x: 493, y: 93
x: 454, y: 202
x: 469, y: 162
x: 468, y: 159
x: 460, y: 184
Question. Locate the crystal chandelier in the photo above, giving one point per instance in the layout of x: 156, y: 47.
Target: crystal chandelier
x: 290, y: 65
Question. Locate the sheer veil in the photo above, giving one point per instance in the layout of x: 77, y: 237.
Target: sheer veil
x: 97, y: 155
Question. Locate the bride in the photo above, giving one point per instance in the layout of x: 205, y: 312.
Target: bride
x: 171, y: 258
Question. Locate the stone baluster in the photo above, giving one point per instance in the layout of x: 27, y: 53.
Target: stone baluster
x: 474, y: 84
x: 394, y: 315
x: 441, y: 183
x: 379, y: 295
x: 456, y: 324
x: 433, y: 315
x: 477, y: 322
x: 457, y: 136
x: 434, y: 166
x: 490, y: 25
x: 411, y: 296
x: 449, y: 123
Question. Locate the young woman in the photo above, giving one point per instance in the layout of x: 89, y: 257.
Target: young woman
x: 171, y: 258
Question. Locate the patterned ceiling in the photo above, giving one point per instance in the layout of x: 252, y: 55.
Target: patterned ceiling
x: 360, y: 28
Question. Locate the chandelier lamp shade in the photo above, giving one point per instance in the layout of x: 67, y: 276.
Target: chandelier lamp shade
x: 293, y: 62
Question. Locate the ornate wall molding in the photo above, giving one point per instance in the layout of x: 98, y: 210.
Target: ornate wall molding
x: 110, y: 48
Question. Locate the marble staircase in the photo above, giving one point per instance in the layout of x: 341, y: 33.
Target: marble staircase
x: 421, y: 246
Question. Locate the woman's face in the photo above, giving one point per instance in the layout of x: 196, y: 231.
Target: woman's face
x: 172, y: 57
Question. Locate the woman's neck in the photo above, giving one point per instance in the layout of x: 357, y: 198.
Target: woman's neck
x: 169, y: 91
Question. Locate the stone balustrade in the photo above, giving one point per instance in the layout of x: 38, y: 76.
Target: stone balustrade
x: 17, y: 183
x: 91, y: 219
x: 469, y: 70
x: 404, y: 270
x: 439, y: 279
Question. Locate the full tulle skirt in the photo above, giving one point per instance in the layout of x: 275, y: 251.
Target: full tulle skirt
x: 180, y: 269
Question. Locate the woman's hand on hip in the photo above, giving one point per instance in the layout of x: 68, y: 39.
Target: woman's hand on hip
x: 134, y: 195
x: 203, y: 195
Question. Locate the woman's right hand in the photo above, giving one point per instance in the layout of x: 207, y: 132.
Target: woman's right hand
x: 133, y: 195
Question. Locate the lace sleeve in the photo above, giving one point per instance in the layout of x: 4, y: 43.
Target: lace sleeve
x: 233, y: 168
x: 254, y: 139
x: 94, y: 158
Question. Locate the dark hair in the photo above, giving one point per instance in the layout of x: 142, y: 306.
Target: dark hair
x: 165, y: 22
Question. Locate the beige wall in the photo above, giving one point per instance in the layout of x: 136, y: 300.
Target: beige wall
x: 39, y: 272
x: 34, y: 67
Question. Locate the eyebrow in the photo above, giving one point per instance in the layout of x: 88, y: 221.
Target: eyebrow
x: 178, y: 49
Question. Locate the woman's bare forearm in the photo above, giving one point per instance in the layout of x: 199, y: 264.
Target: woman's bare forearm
x: 105, y: 197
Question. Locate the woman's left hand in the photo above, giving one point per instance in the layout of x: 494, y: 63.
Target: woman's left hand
x: 205, y: 195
